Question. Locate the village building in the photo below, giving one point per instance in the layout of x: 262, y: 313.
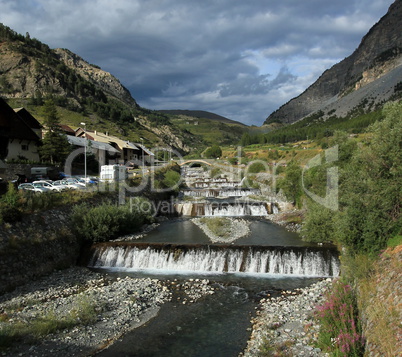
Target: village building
x: 129, y: 153
x: 104, y: 152
x: 17, y: 140
x: 30, y: 120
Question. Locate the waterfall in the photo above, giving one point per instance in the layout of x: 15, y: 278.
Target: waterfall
x: 298, y: 261
x: 228, y: 192
x: 274, y: 208
x: 238, y: 192
x: 235, y: 210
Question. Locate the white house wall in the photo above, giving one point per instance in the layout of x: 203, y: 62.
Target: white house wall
x: 22, y: 148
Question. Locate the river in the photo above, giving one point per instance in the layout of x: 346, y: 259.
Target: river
x: 218, y: 324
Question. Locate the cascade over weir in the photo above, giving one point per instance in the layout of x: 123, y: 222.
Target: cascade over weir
x: 214, y: 258
x: 188, y: 258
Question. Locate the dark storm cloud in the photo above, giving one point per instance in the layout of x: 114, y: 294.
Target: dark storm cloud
x: 241, y: 59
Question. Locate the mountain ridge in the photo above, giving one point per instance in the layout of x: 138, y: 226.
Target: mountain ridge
x: 30, y: 71
x: 379, y: 52
x: 201, y: 114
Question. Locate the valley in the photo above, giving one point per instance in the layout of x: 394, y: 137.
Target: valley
x: 219, y: 238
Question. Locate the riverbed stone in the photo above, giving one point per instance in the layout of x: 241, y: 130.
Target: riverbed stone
x: 287, y: 322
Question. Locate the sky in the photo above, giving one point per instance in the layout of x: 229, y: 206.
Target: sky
x: 241, y: 59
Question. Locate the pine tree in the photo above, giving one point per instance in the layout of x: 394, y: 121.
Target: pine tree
x: 55, y: 146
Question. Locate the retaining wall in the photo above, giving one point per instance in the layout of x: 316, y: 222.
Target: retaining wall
x: 39, y: 244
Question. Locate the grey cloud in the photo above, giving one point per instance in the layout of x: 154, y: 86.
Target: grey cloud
x: 192, y: 54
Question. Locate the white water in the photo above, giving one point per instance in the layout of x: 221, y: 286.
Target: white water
x: 210, y: 193
x: 298, y: 262
x: 238, y: 193
x: 235, y: 210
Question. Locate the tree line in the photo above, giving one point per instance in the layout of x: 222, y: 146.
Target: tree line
x: 370, y: 196
x: 313, y: 127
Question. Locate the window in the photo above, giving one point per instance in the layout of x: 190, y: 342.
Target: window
x: 24, y: 147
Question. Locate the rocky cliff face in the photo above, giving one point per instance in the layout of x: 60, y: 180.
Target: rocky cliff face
x: 31, y: 70
x: 25, y: 71
x: 379, y: 54
x: 102, y: 79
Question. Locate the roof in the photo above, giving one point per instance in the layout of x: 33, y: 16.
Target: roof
x: 67, y: 129
x: 145, y: 149
x: 122, y: 144
x: 12, y: 126
x: 28, y: 118
x: 77, y: 141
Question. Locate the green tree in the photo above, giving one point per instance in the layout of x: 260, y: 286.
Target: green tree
x: 55, y: 146
x: 172, y: 180
x: 291, y: 184
x: 213, y: 152
x: 371, y: 199
x: 245, y: 139
x: 319, y: 224
x: 370, y: 195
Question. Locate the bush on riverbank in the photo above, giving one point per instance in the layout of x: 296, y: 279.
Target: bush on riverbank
x: 15, y: 203
x: 108, y: 221
x: 340, y: 327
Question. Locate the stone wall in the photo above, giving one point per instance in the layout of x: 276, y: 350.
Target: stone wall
x: 39, y: 244
x: 11, y: 171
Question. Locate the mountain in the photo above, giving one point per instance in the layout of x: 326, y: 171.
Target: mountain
x: 210, y: 128
x: 201, y: 114
x: 30, y: 72
x: 362, y: 82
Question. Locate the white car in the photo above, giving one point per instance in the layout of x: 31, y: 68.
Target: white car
x: 32, y: 188
x: 70, y: 185
x: 76, y: 181
x: 49, y: 185
x: 59, y: 184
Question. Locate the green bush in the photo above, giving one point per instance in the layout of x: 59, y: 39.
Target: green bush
x: 108, y: 221
x: 340, y: 327
x: 10, y: 211
x: 213, y: 152
x: 172, y: 180
x: 319, y: 224
x: 256, y: 167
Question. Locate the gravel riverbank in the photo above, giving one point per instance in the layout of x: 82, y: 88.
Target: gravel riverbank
x: 286, y: 323
x: 96, y: 309
x: 104, y: 308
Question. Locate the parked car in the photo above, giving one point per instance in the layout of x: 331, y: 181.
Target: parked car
x: 70, y: 185
x: 32, y: 188
x: 76, y: 181
x: 49, y: 185
x: 58, y: 183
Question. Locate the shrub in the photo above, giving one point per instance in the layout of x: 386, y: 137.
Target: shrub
x: 10, y: 206
x: 107, y: 221
x: 395, y: 241
x: 256, y: 167
x: 319, y: 224
x: 340, y: 330
x: 213, y: 152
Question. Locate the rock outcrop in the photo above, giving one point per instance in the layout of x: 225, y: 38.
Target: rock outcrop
x: 376, y: 66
